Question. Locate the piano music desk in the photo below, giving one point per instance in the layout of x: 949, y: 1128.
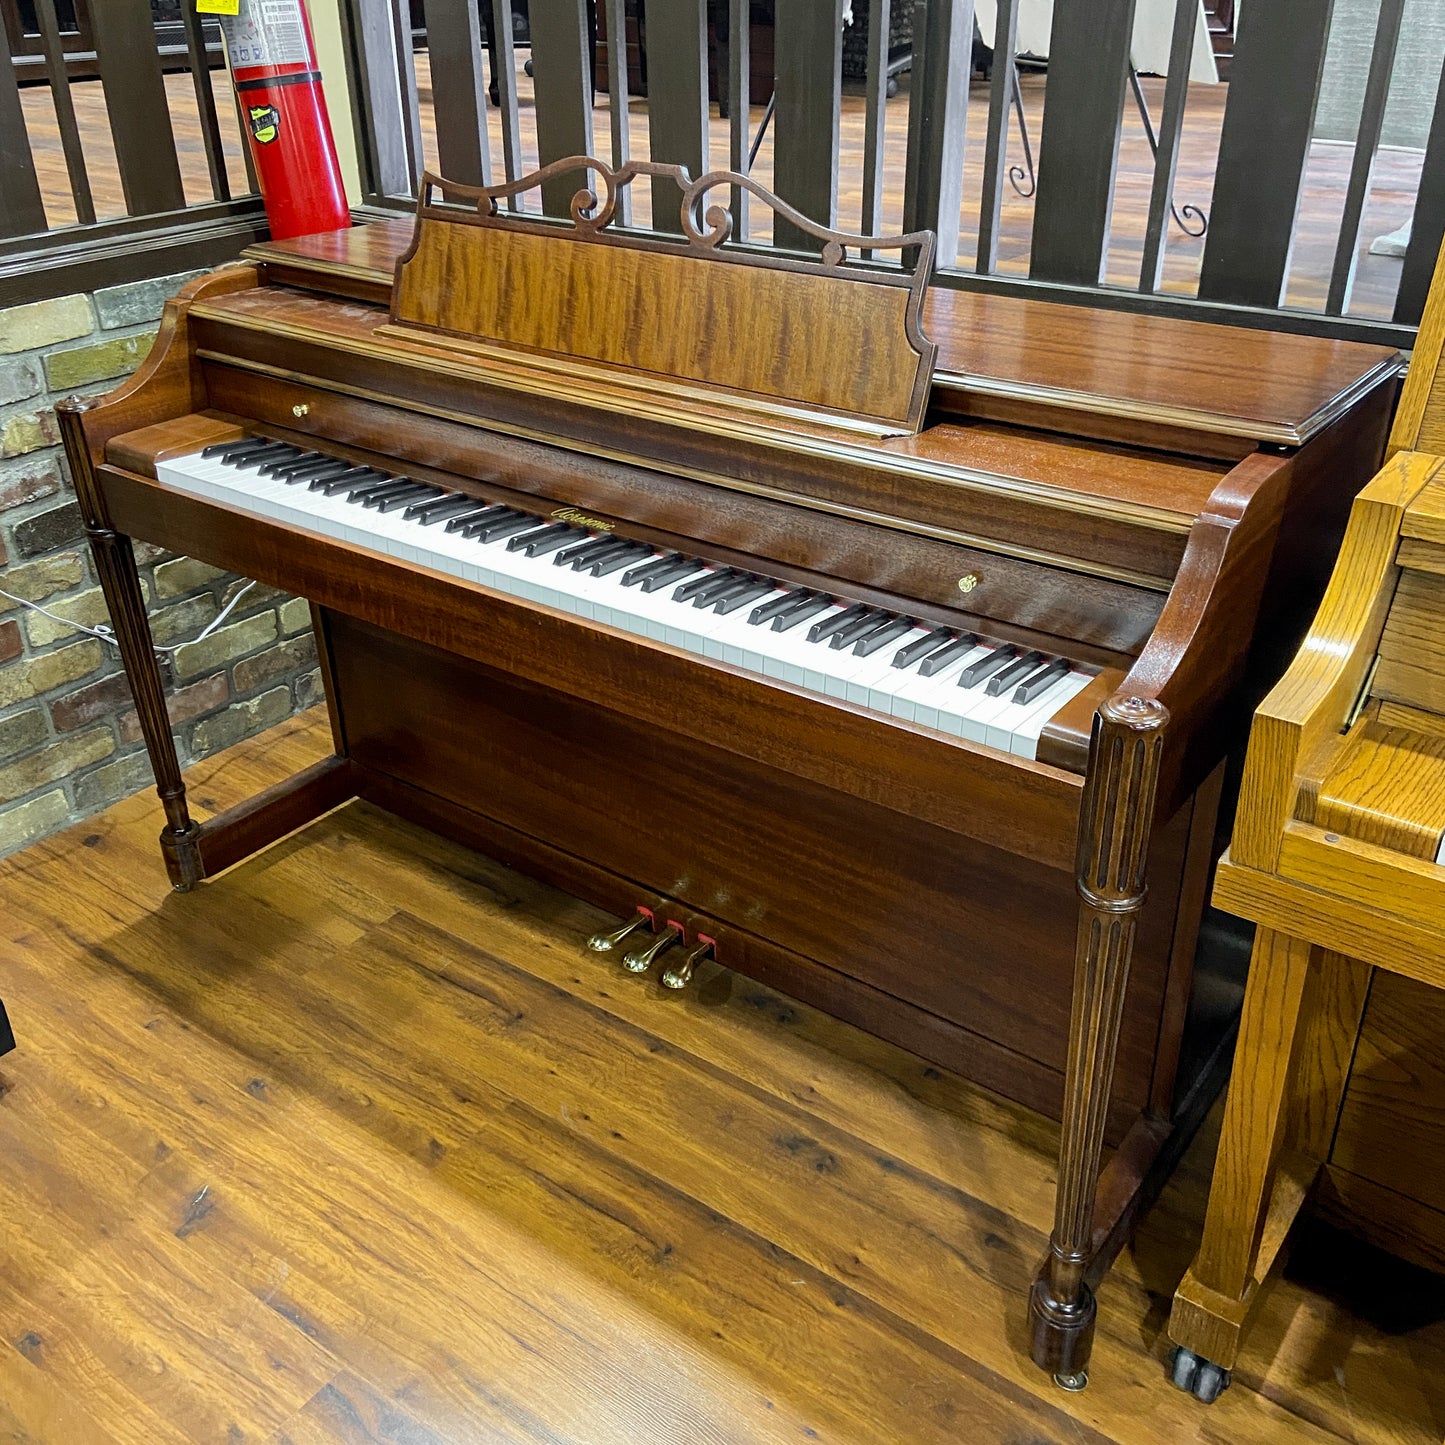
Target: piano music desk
x: 1140, y: 501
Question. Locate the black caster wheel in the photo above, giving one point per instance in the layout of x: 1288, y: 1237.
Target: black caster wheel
x: 1197, y: 1376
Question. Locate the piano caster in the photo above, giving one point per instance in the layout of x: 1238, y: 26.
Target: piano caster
x: 606, y: 942
x: 679, y: 975
x: 641, y: 959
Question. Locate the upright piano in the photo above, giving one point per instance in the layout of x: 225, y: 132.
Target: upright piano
x: 882, y: 641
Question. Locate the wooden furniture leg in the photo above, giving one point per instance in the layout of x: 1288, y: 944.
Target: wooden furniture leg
x: 115, y: 567
x: 1301, y: 1009
x: 1114, y: 826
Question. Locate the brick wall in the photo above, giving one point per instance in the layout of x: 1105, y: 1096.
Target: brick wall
x: 69, y: 744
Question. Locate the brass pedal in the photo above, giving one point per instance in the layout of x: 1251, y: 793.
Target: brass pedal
x: 679, y: 975
x: 606, y: 942
x: 641, y: 959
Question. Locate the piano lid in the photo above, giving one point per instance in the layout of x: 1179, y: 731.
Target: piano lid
x: 1159, y: 371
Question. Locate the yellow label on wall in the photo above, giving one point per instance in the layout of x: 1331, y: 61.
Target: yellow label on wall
x: 218, y: 7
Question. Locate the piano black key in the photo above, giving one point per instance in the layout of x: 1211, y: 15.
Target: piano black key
x: 689, y: 590
x: 936, y: 661
x: 398, y: 486
x: 433, y: 510
x: 616, y: 561
x: 624, y: 547
x: 662, y: 573
x: 847, y: 636
x: 291, y: 457
x: 405, y: 491
x: 474, y: 513
x: 939, y: 637
x: 306, y: 462
x: 733, y: 579
x: 261, y: 454
x: 757, y: 587
x: 315, y: 476
x: 307, y: 470
x: 355, y: 477
x: 361, y: 490
x: 1014, y: 673
x: 485, y: 532
x: 822, y: 631
x: 651, y: 569
x: 616, y: 546
x: 809, y: 606
x: 546, y: 540
x: 236, y: 453
x: 769, y: 610
x: 298, y: 460
x: 1035, y: 686
x: 588, y: 539
x: 985, y: 667
x: 400, y: 499
x: 232, y: 448
x: 493, y: 517
x: 880, y: 637
x: 580, y: 553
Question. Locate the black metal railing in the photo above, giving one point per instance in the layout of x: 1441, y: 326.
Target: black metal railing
x: 1064, y: 141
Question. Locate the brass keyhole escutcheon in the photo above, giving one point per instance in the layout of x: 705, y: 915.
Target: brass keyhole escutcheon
x: 967, y: 583
x: 301, y: 409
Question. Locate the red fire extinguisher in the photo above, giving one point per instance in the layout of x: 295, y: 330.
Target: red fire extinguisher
x: 273, y: 64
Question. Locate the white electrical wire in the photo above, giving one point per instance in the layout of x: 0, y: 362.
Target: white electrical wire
x: 106, y: 633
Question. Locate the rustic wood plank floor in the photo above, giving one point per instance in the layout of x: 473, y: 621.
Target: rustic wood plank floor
x: 358, y: 1143
x: 1391, y: 200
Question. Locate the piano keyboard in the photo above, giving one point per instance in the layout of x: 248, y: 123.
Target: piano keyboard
x: 938, y: 677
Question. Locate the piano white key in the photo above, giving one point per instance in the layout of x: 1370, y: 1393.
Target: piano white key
x: 787, y: 656
x: 1025, y: 742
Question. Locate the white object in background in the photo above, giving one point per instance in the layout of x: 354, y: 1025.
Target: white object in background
x: 1393, y: 243
x: 1153, y: 29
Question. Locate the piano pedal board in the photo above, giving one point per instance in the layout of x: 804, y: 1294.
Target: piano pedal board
x: 651, y: 937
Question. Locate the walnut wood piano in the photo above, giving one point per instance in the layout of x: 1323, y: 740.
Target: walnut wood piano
x: 949, y: 653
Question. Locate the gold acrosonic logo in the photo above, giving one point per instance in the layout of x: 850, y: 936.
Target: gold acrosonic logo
x: 581, y: 519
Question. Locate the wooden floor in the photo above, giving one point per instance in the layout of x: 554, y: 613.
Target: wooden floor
x: 1391, y: 201
x: 358, y: 1143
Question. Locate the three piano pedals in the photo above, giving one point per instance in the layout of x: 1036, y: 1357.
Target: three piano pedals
x: 651, y: 937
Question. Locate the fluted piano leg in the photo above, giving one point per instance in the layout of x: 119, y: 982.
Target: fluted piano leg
x: 115, y: 567
x: 1115, y: 821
